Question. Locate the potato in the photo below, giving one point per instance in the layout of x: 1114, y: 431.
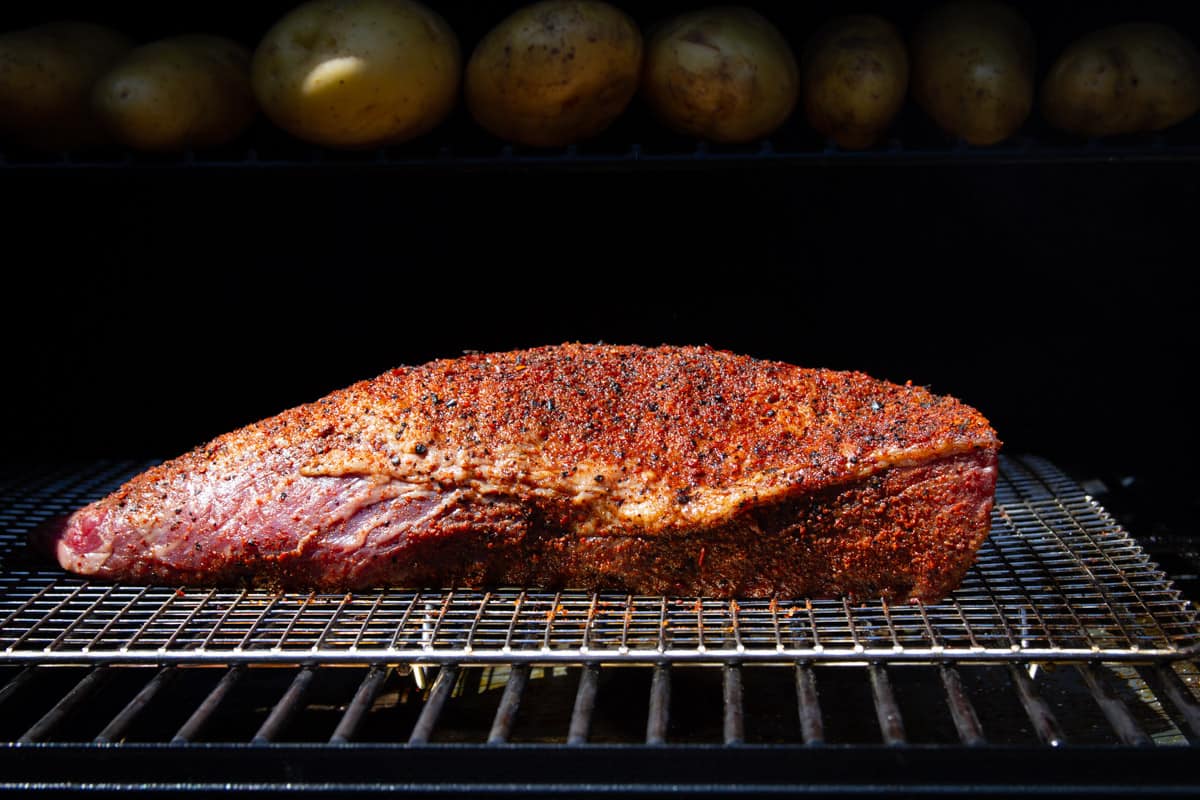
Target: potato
x: 181, y: 92
x: 555, y: 72
x: 46, y: 74
x: 725, y: 74
x: 855, y: 76
x: 972, y: 70
x: 358, y: 73
x: 1131, y: 78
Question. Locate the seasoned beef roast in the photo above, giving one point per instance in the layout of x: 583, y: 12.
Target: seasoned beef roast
x: 668, y: 470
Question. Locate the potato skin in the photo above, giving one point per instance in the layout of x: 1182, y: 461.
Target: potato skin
x: 973, y: 70
x: 725, y: 74
x: 855, y: 77
x: 1132, y: 78
x: 357, y: 74
x: 176, y: 93
x: 554, y: 73
x: 46, y: 75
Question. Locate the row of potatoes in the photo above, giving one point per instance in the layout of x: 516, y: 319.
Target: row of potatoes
x: 369, y: 73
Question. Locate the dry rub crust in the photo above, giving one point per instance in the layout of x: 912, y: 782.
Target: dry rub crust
x: 669, y: 469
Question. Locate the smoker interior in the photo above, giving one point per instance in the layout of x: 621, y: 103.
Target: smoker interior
x: 155, y: 302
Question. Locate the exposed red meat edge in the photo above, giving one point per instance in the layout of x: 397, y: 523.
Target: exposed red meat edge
x: 669, y: 470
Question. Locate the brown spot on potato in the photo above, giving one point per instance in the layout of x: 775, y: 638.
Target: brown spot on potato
x: 697, y: 37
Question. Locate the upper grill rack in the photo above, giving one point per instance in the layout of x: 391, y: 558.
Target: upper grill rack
x: 437, y: 157
x: 1057, y: 579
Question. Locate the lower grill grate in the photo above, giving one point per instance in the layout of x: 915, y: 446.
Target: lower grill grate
x: 974, y: 705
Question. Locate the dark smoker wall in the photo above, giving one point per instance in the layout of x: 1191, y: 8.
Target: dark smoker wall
x: 148, y: 312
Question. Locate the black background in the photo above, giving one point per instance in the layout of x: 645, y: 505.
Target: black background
x: 148, y: 310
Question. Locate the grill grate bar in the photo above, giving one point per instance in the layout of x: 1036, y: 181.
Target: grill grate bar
x: 548, y: 631
x: 891, y: 725
x: 735, y: 624
x: 660, y: 703
x: 812, y: 728
x: 299, y: 615
x: 258, y: 621
x: 966, y: 625
x: 663, y: 625
x: 212, y: 634
x: 776, y: 627
x: 1010, y: 639
x: 115, y: 729
x: 586, y: 643
x: 17, y: 683
x: 334, y: 619
x: 585, y: 702
x: 64, y: 706
x: 483, y: 604
x: 150, y: 623
x: 179, y: 629
x: 817, y: 646
x: 1044, y: 722
x: 510, y: 702
x: 892, y: 633
x: 364, y: 698
x: 119, y: 615
x: 442, y: 686
x: 927, y: 626
x: 369, y: 618
x: 733, y: 722
x: 474, y: 624
x: 199, y: 718
x: 408, y: 612
x: 512, y: 623
x: 287, y: 706
x: 1115, y: 711
x: 627, y: 617
x: 429, y: 632
x: 966, y: 722
x: 851, y: 628
x: 1179, y: 694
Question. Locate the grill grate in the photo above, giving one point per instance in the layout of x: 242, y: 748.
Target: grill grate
x: 1175, y: 147
x: 1057, y: 579
x: 969, y: 705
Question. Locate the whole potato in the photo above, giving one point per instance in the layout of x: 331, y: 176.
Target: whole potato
x: 725, y: 74
x: 972, y: 70
x: 1131, y: 78
x: 176, y: 93
x: 358, y: 73
x: 855, y: 74
x: 555, y: 72
x: 46, y: 74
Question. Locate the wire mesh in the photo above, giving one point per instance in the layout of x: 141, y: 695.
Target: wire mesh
x: 1058, y: 578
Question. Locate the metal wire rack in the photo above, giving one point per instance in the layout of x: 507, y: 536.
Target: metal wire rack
x: 1146, y: 149
x: 1057, y: 579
